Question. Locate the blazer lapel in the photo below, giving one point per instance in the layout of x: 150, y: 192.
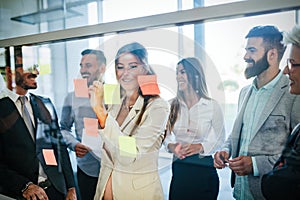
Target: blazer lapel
x: 275, y: 97
x: 243, y: 105
x: 295, y: 133
x: 238, y: 125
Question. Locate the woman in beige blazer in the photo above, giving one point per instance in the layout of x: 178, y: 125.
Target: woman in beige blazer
x: 132, y: 132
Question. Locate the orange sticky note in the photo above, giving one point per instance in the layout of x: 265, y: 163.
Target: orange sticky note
x: 49, y: 157
x: 148, y: 84
x: 81, y: 88
x: 91, y: 126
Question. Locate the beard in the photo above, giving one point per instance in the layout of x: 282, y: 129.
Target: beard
x: 257, y: 67
x: 27, y: 87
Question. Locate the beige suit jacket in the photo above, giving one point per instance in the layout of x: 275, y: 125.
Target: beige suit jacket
x: 279, y: 116
x: 133, y: 177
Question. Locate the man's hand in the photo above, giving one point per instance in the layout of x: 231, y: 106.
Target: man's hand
x: 81, y: 150
x: 71, y: 195
x: 241, y: 165
x: 220, y: 159
x: 183, y: 150
x: 34, y: 192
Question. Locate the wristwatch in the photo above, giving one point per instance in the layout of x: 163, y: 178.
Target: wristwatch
x: 26, y: 186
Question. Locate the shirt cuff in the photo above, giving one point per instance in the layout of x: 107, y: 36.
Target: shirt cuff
x: 255, y: 169
x: 169, y: 139
x: 227, y: 150
x: 26, y: 186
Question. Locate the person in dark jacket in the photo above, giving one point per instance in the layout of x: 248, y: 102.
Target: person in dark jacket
x: 34, y: 161
x: 283, y: 182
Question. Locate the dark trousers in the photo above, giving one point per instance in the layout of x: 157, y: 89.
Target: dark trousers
x: 54, y: 194
x: 87, y: 185
x: 194, y: 178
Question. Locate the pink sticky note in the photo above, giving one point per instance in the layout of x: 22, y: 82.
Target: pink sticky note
x: 148, y: 84
x: 49, y: 157
x: 81, y: 88
x: 91, y: 126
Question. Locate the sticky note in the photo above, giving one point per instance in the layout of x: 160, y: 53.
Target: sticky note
x: 148, y: 84
x: 91, y: 126
x: 112, y: 94
x: 49, y: 157
x: 127, y: 146
x: 45, y: 69
x: 81, y: 88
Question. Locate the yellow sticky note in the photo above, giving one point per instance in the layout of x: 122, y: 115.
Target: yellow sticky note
x: 127, y: 146
x: 49, y: 157
x: 91, y: 126
x: 81, y: 88
x: 112, y: 94
x: 148, y: 84
x: 45, y: 69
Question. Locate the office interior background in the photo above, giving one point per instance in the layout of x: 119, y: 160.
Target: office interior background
x: 52, y: 34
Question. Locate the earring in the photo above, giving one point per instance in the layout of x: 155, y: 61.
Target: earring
x: 197, y: 83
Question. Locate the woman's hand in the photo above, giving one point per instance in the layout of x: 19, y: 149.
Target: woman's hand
x: 191, y: 149
x: 96, y: 93
x: 176, y: 149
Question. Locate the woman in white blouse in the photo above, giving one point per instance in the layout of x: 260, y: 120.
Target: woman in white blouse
x: 197, y: 123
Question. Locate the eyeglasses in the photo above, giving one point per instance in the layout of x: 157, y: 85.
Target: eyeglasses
x: 291, y: 64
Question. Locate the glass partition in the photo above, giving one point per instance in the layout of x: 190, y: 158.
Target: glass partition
x: 218, y: 44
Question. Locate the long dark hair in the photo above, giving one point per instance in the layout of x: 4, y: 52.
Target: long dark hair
x: 140, y: 52
x: 196, y: 78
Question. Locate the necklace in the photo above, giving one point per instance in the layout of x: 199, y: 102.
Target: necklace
x: 128, y: 108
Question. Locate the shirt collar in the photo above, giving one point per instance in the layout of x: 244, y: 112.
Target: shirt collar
x: 202, y: 101
x: 14, y: 97
x: 269, y: 85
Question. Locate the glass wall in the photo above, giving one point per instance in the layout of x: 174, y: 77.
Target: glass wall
x: 220, y: 46
x: 222, y: 50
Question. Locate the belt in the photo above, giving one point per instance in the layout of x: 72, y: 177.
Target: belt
x: 45, y: 184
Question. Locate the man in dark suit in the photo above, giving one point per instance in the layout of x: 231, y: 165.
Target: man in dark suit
x: 34, y: 161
